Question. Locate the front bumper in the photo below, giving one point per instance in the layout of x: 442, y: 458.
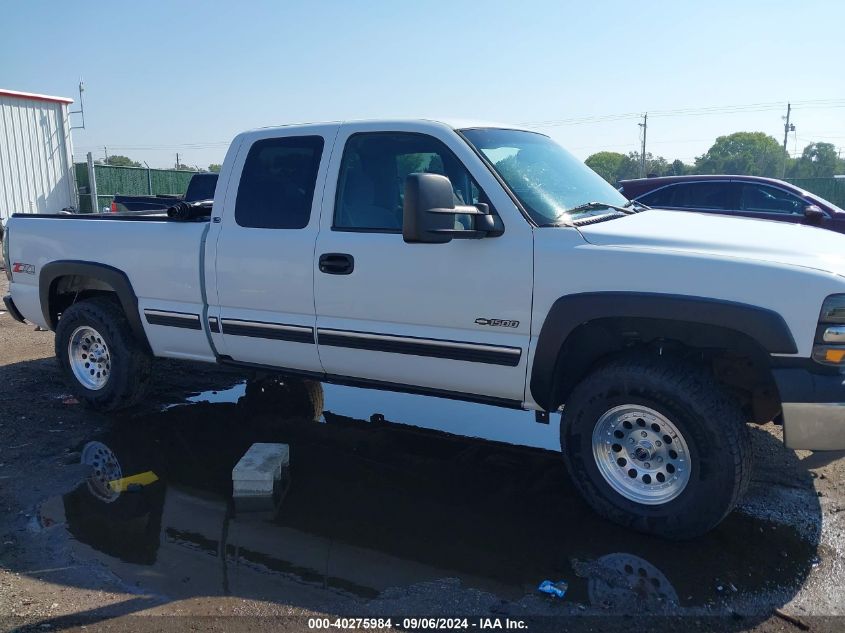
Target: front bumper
x: 12, y: 308
x: 813, y: 409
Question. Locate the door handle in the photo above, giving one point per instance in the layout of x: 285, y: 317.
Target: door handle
x: 336, y: 263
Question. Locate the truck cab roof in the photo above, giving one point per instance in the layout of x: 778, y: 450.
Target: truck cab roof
x: 449, y: 122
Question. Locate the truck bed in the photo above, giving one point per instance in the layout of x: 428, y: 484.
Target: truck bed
x: 160, y: 256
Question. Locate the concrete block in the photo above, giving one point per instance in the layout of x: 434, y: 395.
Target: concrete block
x: 261, y: 478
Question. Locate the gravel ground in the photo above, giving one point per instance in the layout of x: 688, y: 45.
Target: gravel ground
x: 791, y: 522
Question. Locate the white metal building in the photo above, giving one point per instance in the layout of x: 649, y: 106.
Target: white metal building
x: 36, y: 167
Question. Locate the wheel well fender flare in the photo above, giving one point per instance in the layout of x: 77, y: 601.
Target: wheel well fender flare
x: 108, y: 275
x: 766, y: 327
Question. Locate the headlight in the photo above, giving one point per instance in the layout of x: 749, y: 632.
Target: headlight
x: 830, y: 337
x: 6, y: 263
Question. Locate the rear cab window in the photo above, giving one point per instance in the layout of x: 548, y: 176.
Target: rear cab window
x: 277, y: 183
x: 201, y: 187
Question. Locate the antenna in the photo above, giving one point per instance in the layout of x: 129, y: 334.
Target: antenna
x: 81, y: 110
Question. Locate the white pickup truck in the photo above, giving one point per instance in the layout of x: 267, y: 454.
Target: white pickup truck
x: 474, y: 262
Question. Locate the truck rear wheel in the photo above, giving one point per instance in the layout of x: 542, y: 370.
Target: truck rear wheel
x: 292, y: 396
x: 104, y: 364
x: 656, y: 445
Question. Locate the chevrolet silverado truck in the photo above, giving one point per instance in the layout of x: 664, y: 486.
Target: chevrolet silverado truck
x: 473, y: 262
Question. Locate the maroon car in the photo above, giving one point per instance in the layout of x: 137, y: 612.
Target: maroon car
x: 749, y: 196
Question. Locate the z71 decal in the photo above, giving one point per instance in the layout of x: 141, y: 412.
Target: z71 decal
x: 497, y: 322
x: 26, y: 269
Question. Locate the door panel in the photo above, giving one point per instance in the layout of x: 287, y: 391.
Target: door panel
x: 265, y: 249
x: 451, y: 317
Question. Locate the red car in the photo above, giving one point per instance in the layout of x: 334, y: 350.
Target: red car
x: 749, y: 196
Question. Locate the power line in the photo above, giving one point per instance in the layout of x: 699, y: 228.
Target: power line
x: 821, y: 135
x: 582, y: 120
x: 206, y: 145
x: 696, y: 111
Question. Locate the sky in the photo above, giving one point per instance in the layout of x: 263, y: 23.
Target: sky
x: 163, y: 77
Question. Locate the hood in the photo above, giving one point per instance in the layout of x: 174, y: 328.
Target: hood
x: 746, y: 238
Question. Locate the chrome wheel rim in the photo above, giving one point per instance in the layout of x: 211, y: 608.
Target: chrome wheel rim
x: 641, y: 454
x: 627, y: 581
x: 105, y: 469
x: 89, y: 358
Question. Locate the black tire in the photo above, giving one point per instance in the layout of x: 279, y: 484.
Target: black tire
x: 709, y: 420
x: 131, y: 365
x: 295, y: 397
x: 316, y: 396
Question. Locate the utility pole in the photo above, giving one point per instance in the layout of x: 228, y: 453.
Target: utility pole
x: 177, y: 160
x: 106, y: 152
x: 644, y: 126
x: 92, y: 183
x: 787, y: 128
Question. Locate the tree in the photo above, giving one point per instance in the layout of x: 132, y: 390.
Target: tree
x: 613, y: 166
x: 654, y: 165
x: 215, y: 167
x: 746, y: 153
x: 609, y: 165
x: 121, y: 161
x: 818, y: 160
x: 679, y: 168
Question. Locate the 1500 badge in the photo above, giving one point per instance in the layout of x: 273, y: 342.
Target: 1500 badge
x: 497, y: 322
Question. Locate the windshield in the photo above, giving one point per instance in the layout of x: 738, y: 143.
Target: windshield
x: 545, y: 178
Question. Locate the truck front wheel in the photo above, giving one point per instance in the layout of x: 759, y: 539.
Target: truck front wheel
x: 103, y: 363
x: 656, y: 445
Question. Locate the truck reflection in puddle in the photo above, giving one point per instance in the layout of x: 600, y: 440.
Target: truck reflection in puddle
x: 374, y: 505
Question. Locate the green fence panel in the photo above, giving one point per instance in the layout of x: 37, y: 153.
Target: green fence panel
x: 170, y: 181
x: 128, y: 181
x: 832, y: 189
x: 80, y: 170
x: 121, y: 180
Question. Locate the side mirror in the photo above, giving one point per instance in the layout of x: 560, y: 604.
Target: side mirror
x: 429, y: 212
x: 814, y: 213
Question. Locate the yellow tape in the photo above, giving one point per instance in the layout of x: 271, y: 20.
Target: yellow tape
x: 142, y: 479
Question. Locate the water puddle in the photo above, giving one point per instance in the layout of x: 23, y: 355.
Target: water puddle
x: 373, y: 506
x: 451, y: 416
x: 232, y: 394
